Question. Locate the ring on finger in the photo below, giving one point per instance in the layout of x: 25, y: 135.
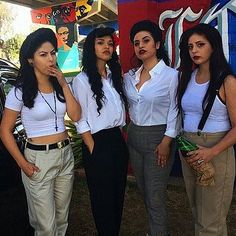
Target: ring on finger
x: 199, y: 161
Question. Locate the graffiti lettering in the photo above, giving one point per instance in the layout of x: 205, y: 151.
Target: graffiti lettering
x: 175, y: 30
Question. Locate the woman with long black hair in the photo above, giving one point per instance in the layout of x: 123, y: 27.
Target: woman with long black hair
x: 151, y: 91
x: 42, y: 97
x: 99, y: 90
x: 203, y: 64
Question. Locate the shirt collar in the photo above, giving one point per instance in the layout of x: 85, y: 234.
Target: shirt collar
x: 157, y: 69
x: 137, y: 73
x: 108, y: 74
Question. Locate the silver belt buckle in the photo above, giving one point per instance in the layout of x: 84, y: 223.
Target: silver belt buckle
x: 60, y: 144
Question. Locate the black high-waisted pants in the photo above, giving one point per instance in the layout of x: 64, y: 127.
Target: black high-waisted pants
x: 106, y: 172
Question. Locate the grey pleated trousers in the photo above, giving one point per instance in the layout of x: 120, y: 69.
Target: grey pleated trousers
x: 151, y: 179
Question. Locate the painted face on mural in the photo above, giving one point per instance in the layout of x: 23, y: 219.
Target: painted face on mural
x: 64, y: 13
x: 104, y: 48
x: 144, y: 45
x: 200, y: 49
x: 82, y: 8
x: 63, y: 33
x: 42, y: 16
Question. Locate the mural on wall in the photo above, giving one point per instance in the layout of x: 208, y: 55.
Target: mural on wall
x: 64, y: 13
x: 42, y: 16
x: 221, y: 14
x: 65, y: 36
x: 83, y: 7
x: 64, y: 17
x: 68, y: 54
x: 175, y: 16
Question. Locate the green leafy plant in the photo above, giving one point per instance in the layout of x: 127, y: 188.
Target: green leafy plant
x: 76, y: 142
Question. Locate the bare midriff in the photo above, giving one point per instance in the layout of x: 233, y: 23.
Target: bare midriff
x: 54, y: 138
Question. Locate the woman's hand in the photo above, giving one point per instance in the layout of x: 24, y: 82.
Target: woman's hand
x: 56, y: 72
x: 201, y: 155
x: 90, y: 146
x: 163, y: 153
x: 88, y: 140
x: 73, y: 108
x: 29, y: 168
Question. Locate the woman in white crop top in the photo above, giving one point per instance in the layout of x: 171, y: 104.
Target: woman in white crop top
x: 151, y: 93
x: 42, y: 97
x: 202, y: 61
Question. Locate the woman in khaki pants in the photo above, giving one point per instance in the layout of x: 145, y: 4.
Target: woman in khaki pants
x: 42, y: 97
x: 202, y: 61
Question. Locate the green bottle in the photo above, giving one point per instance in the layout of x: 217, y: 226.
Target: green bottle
x: 185, y: 146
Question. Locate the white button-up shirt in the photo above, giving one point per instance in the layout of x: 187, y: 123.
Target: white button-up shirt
x: 112, y: 113
x: 155, y: 102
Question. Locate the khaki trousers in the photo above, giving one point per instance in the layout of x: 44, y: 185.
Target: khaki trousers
x: 210, y: 205
x: 49, y: 191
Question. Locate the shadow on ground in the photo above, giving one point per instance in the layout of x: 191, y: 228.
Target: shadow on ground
x: 14, y: 218
x: 134, y: 221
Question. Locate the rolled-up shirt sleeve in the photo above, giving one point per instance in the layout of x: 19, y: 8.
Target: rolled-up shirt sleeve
x: 172, y: 116
x: 80, y: 93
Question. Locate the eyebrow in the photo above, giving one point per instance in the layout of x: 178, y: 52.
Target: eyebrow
x: 102, y: 39
x: 147, y: 36
x: 199, y: 41
x: 53, y: 50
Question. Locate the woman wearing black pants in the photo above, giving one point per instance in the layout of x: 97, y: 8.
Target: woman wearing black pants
x: 99, y: 89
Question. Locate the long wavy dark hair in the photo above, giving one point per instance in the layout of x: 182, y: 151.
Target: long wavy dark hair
x: 89, y: 63
x: 26, y: 80
x: 218, y: 62
x: 155, y: 31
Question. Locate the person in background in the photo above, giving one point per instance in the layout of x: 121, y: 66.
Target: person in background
x: 99, y: 90
x: 202, y: 63
x: 151, y: 93
x: 42, y: 97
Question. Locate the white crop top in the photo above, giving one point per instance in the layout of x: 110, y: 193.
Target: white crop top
x: 218, y: 119
x: 39, y: 120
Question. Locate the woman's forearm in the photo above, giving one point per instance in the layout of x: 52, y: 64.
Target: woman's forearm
x: 228, y: 141
x: 88, y: 140
x: 72, y: 106
x: 11, y: 145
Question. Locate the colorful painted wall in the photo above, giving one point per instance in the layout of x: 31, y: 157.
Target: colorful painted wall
x: 64, y: 17
x: 175, y: 16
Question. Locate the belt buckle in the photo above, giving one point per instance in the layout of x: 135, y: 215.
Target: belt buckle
x: 60, y: 144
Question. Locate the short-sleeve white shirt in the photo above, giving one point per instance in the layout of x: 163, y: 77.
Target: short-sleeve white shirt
x: 39, y: 120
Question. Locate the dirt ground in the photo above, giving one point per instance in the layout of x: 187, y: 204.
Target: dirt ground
x: 14, y: 219
x: 134, y: 221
